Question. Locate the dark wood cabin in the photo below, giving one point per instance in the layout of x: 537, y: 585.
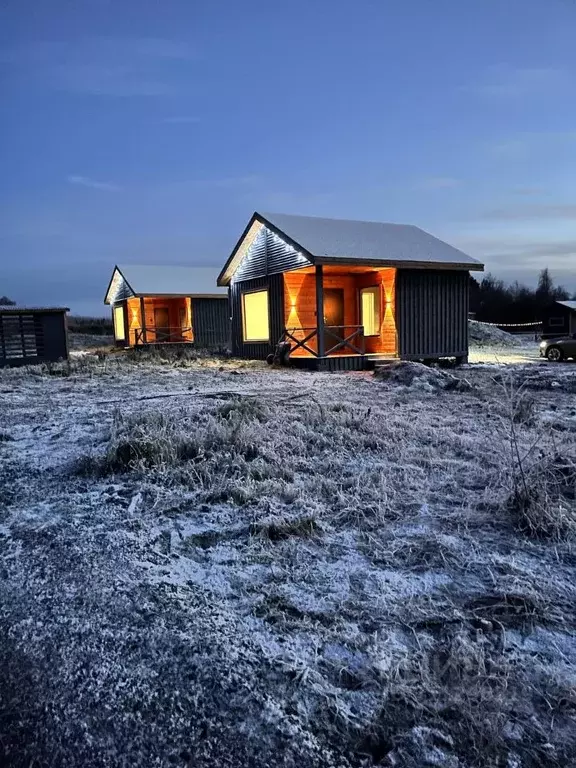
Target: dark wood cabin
x: 168, y: 305
x: 31, y: 335
x: 346, y: 293
x: 559, y: 319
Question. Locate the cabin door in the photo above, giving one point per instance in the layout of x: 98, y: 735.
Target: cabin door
x: 333, y: 316
x: 162, y: 323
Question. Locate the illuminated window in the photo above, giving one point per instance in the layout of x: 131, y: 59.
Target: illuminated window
x: 119, y: 323
x: 370, y: 310
x: 255, y: 316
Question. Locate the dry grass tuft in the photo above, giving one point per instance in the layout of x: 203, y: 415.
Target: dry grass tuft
x: 543, y: 502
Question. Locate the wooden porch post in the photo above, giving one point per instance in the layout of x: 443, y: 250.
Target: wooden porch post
x: 143, y: 321
x: 320, y: 310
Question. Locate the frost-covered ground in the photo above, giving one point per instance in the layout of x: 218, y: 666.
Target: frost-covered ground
x: 209, y: 564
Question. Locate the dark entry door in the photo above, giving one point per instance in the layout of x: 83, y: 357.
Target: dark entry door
x: 162, y: 323
x: 333, y: 316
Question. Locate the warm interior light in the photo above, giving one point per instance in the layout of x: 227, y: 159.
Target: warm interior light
x: 255, y: 316
x: 370, y: 310
x: 119, y: 332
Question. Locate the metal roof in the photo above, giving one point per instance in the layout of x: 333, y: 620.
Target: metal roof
x: 146, y: 280
x: 18, y: 309
x: 569, y: 304
x: 367, y: 241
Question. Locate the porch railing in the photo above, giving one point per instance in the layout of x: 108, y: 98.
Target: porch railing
x: 348, y: 339
x: 163, y: 335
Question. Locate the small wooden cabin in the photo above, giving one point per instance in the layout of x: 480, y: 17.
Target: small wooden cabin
x: 346, y: 293
x: 31, y: 335
x: 559, y: 319
x: 168, y: 305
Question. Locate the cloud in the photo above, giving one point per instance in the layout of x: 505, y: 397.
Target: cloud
x: 438, y: 182
x: 103, y: 66
x: 505, y: 82
x: 84, y: 181
x: 529, y: 212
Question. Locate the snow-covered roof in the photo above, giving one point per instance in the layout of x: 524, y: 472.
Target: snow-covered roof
x: 152, y: 280
x: 18, y: 308
x: 369, y: 241
x: 569, y: 304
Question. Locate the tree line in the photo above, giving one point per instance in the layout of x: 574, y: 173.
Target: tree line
x: 493, y: 301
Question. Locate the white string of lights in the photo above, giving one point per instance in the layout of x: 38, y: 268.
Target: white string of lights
x: 508, y: 325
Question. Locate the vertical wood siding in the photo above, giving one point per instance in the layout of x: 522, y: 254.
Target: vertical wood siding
x: 432, y: 313
x: 211, y: 322
x: 257, y: 350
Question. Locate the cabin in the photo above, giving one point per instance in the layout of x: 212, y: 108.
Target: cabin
x: 32, y: 335
x: 345, y: 294
x: 559, y: 319
x: 168, y: 305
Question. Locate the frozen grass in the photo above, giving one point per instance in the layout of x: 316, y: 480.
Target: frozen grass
x: 274, y: 568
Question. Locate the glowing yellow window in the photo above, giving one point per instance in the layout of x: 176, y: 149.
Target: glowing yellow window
x: 255, y: 316
x: 370, y: 310
x: 119, y: 323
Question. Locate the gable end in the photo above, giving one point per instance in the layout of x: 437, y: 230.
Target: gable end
x: 118, y: 288
x: 261, y: 252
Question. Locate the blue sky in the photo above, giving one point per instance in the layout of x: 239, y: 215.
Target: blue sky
x: 148, y: 132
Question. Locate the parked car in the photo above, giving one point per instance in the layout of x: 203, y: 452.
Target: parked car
x: 559, y: 349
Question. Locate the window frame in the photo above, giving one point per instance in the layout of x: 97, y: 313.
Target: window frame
x: 246, y: 340
x: 376, y: 291
x: 556, y: 322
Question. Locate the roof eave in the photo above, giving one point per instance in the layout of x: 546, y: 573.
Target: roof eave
x: 181, y: 295
x: 476, y: 266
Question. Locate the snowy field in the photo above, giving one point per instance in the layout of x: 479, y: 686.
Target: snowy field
x: 205, y: 563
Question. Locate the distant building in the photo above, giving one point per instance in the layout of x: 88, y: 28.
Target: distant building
x: 30, y: 335
x: 559, y: 319
x: 168, y: 305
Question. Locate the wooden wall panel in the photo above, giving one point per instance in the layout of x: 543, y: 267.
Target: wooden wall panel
x: 173, y: 305
x: 300, y: 303
x: 134, y: 320
x: 386, y: 343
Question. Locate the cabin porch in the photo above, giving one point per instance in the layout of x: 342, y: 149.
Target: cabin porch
x: 357, y: 324
x: 141, y: 320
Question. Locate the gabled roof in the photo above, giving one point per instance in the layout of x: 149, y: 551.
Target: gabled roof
x: 147, y: 280
x: 569, y: 304
x: 358, y: 242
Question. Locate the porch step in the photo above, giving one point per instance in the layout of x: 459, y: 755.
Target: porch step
x: 378, y: 361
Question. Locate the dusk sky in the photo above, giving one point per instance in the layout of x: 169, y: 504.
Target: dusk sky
x: 148, y: 132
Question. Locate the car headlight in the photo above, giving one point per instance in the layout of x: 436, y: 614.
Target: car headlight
x: 543, y: 344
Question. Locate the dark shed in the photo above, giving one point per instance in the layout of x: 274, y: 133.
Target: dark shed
x: 345, y: 294
x: 559, y: 319
x: 30, y: 335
